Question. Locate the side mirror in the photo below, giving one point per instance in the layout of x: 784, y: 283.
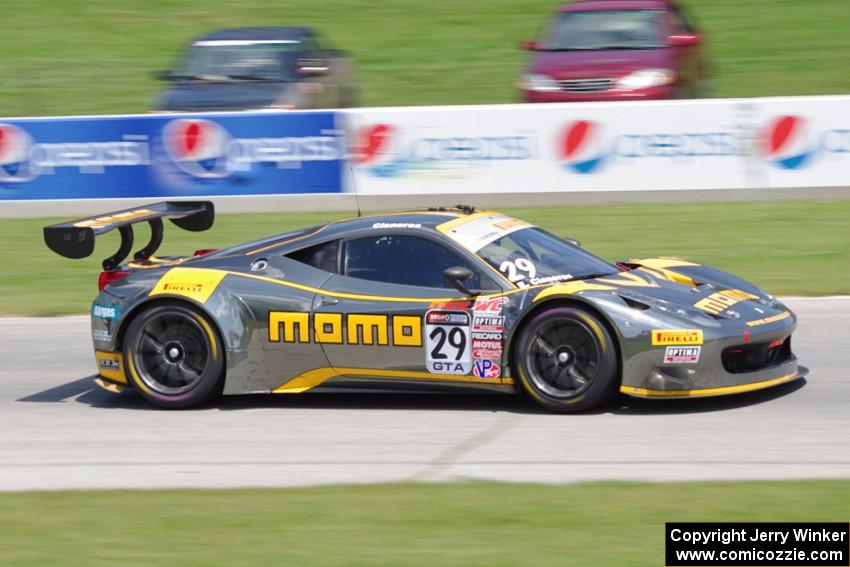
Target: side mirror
x: 684, y: 40
x: 457, y: 275
x: 572, y: 241
x: 528, y: 44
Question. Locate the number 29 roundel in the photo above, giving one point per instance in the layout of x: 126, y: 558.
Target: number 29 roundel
x: 447, y: 342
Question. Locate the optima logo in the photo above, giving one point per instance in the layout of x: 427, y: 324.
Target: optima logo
x: 581, y: 145
x: 785, y: 143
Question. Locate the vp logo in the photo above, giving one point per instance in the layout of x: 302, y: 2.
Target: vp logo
x: 486, y: 369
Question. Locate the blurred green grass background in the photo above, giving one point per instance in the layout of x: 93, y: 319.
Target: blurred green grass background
x: 786, y: 247
x: 97, y: 56
x: 446, y: 525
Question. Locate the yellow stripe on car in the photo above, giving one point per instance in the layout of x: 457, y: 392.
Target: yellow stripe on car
x: 318, y: 376
x: 569, y: 288
x: 768, y: 320
x: 706, y: 392
x: 663, y: 263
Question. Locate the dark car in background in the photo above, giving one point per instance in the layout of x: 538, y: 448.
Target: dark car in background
x: 617, y: 50
x: 258, y: 68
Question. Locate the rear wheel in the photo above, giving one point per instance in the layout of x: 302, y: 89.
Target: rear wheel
x: 173, y: 356
x: 566, y: 360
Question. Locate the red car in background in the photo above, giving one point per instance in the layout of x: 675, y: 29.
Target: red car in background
x: 617, y: 50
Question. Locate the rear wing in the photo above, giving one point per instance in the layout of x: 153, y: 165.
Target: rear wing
x: 75, y: 239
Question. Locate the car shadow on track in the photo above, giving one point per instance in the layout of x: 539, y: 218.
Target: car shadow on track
x: 86, y: 392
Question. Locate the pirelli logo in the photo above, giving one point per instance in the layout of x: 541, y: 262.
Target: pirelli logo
x: 673, y: 337
x: 350, y: 329
x: 720, y: 301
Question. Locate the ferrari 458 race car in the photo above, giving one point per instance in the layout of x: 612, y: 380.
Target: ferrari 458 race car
x: 448, y: 296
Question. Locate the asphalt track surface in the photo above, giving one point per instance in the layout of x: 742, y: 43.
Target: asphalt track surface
x: 59, y: 431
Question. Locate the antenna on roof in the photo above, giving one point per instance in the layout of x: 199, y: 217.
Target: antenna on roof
x: 354, y: 188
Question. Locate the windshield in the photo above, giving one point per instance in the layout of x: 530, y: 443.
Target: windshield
x: 240, y: 60
x: 532, y: 256
x: 605, y: 29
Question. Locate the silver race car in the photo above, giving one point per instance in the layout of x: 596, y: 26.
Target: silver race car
x: 448, y: 296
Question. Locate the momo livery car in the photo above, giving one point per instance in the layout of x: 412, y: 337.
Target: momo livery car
x: 447, y: 296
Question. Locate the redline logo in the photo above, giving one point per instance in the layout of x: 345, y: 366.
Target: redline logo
x: 490, y: 305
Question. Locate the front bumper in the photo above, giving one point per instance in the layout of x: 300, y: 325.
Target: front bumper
x: 798, y: 372
x: 647, y: 373
x: 654, y: 93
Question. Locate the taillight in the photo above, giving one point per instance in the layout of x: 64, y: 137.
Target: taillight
x: 204, y: 251
x: 108, y: 276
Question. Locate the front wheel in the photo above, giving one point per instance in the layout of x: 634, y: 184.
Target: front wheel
x: 173, y: 356
x: 566, y: 360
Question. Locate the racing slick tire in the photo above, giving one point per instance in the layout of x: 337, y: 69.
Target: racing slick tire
x: 174, y: 356
x: 566, y: 360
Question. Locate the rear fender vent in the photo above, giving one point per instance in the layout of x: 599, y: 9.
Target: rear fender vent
x: 634, y: 303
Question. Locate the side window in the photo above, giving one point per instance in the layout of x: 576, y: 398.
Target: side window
x: 322, y: 256
x: 405, y: 260
x: 309, y: 45
x: 682, y: 22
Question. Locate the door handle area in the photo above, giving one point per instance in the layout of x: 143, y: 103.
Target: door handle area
x: 324, y: 301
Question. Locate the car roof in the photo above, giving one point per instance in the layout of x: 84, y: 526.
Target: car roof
x: 588, y: 5
x: 267, y: 33
x: 427, y: 219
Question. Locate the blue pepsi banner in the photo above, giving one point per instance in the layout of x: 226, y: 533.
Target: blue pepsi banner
x: 170, y: 156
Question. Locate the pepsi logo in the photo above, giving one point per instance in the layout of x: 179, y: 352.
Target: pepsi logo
x: 198, y: 147
x: 785, y: 142
x: 370, y: 142
x: 15, y: 149
x: 581, y: 147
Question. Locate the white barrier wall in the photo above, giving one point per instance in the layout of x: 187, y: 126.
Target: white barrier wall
x: 676, y: 145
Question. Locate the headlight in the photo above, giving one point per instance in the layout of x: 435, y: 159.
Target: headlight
x: 646, y: 78
x: 539, y: 83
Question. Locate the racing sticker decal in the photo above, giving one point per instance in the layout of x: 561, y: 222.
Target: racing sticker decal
x: 682, y: 355
x: 448, y: 346
x: 110, y: 365
x: 682, y: 337
x: 476, y: 232
x: 488, y: 325
x: 195, y: 283
x: 101, y: 335
x: 104, y: 311
x: 518, y: 270
x: 101, y: 222
x: 720, y: 301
